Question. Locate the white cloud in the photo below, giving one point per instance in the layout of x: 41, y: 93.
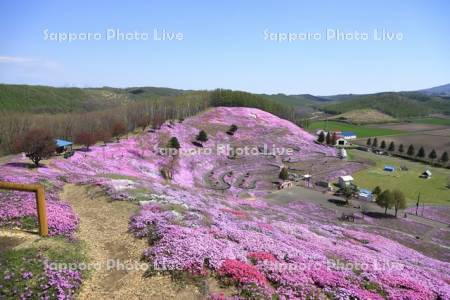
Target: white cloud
x: 27, y: 62
x: 16, y: 60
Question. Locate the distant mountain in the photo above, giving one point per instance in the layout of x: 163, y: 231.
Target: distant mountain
x: 442, y: 90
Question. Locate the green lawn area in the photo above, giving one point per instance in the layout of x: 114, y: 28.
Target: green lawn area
x: 435, y: 121
x: 361, y: 131
x: 433, y: 190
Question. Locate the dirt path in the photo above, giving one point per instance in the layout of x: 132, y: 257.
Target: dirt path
x: 103, y: 227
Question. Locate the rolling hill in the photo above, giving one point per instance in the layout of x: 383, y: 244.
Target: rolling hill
x: 45, y: 99
x: 395, y: 104
x: 364, y: 116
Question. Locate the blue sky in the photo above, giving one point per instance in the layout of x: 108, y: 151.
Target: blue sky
x: 223, y: 45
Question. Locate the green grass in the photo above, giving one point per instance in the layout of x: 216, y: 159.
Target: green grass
x: 433, y: 191
x: 434, y: 121
x: 361, y: 131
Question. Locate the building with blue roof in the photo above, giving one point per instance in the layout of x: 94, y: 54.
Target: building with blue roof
x: 63, y: 145
x: 389, y: 168
x: 348, y: 135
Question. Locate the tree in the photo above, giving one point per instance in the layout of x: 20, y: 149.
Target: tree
x: 321, y: 137
x: 391, y: 147
x: 432, y: 155
x: 118, y: 129
x: 173, y: 143
x: 348, y: 193
x: 86, y: 138
x: 37, y: 144
x: 369, y: 142
x: 376, y: 191
x: 104, y: 136
x: 284, y: 174
x: 333, y: 139
x: 375, y: 143
x: 400, y: 148
x: 421, y: 152
x: 383, y: 144
x: 444, y: 157
x: 385, y: 200
x: 328, y: 138
x: 202, y: 136
x: 398, y: 200
x: 143, y: 122
x: 411, y: 150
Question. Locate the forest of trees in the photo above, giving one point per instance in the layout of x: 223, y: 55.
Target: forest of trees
x: 87, y: 128
x: 99, y: 125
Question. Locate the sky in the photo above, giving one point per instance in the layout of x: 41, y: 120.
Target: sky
x: 228, y: 44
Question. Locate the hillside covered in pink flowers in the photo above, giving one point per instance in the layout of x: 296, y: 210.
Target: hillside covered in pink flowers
x: 205, y: 212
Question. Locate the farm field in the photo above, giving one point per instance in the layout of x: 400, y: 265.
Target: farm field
x: 435, y: 121
x: 412, y: 127
x: 429, y: 136
x: 361, y: 131
x: 433, y: 191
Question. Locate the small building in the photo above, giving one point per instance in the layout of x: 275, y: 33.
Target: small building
x: 341, y: 141
x: 345, y: 181
x: 364, y: 194
x: 63, y: 145
x: 427, y: 174
x: 389, y: 168
x: 284, y: 185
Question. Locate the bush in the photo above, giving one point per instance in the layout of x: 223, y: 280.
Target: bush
x: 284, y: 175
x: 202, y: 136
x: 173, y: 143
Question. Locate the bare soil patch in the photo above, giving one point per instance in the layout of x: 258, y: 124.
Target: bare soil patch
x: 103, y: 227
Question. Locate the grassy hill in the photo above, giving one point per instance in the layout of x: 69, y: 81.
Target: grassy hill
x: 364, y: 116
x: 398, y: 105
x: 45, y: 99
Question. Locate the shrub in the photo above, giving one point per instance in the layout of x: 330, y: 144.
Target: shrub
x: 321, y: 137
x: 173, y: 143
x: 284, y: 174
x: 202, y: 136
x: 241, y: 272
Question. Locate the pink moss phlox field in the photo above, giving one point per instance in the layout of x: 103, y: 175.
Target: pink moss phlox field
x: 296, y: 249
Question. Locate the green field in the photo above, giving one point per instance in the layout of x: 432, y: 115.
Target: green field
x: 361, y: 131
x: 434, y: 121
x: 433, y: 190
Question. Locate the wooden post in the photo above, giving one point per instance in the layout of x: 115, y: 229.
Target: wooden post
x: 39, y: 191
